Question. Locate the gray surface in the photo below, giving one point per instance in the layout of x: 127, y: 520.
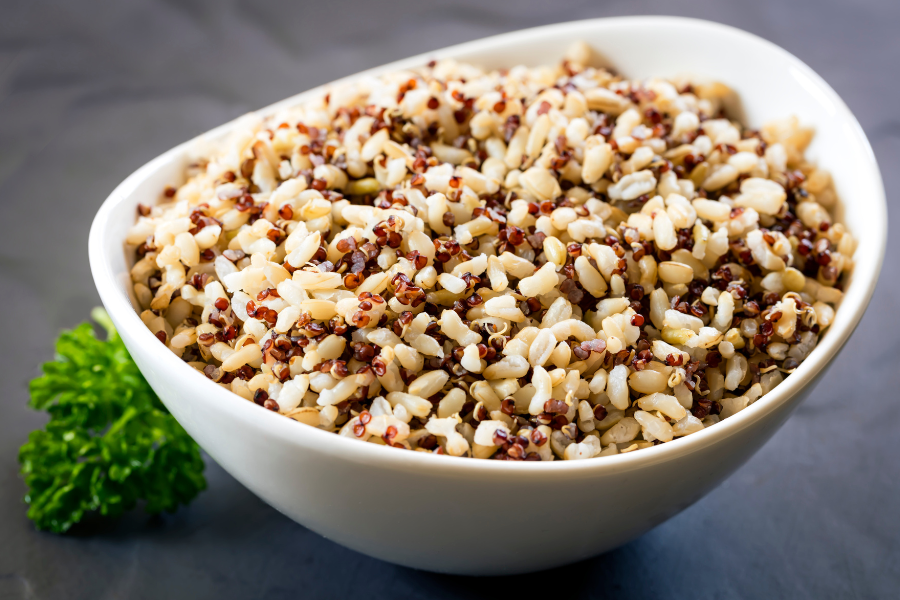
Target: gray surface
x: 88, y: 93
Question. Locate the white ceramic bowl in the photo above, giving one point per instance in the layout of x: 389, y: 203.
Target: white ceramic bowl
x: 460, y: 515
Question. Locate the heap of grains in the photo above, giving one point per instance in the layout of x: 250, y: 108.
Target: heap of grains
x: 529, y: 264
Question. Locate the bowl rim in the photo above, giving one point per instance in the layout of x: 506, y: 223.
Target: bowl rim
x: 853, y: 306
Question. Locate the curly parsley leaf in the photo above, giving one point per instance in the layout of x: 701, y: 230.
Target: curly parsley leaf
x: 109, y: 442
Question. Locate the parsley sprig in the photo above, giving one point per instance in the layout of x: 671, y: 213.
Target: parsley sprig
x: 109, y: 443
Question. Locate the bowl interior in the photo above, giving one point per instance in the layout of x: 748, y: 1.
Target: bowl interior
x: 771, y: 84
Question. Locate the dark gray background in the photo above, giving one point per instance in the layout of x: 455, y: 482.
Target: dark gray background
x: 89, y: 91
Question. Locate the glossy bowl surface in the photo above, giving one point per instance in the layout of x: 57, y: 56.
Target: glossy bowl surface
x: 461, y: 515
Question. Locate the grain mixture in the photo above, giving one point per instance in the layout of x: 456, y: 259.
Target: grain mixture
x: 529, y: 264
